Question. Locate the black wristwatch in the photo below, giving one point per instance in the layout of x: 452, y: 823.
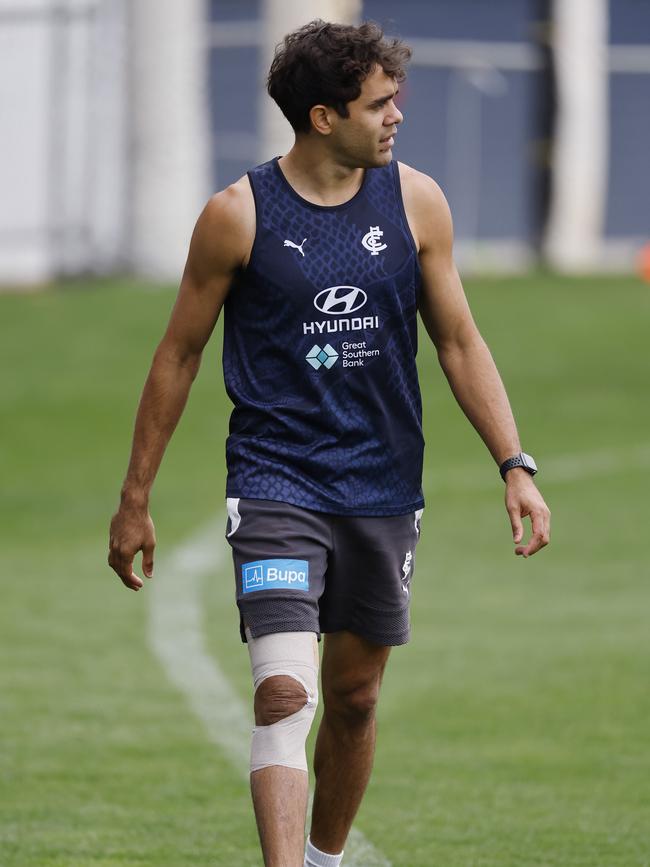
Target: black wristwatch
x: 520, y: 460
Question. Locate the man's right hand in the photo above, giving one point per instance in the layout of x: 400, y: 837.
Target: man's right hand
x: 132, y: 530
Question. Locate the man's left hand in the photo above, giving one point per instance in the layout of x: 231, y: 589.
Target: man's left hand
x: 523, y: 500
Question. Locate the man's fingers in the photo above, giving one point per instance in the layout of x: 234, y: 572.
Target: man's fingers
x: 131, y: 530
x: 122, y: 564
x: 540, y: 520
x: 132, y: 581
x: 531, y: 548
x: 147, y: 559
x: 517, y: 526
x: 523, y: 500
x: 129, y: 578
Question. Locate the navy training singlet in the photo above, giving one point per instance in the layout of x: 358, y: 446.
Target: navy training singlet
x: 320, y: 340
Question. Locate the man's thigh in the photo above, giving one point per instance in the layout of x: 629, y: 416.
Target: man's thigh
x: 368, y: 579
x: 280, y: 557
x: 352, y: 666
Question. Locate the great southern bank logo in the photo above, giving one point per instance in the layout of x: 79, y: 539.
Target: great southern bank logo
x: 318, y: 357
x: 272, y: 574
x: 340, y: 300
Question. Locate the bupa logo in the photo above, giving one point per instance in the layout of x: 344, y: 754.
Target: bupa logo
x: 340, y: 300
x: 270, y: 574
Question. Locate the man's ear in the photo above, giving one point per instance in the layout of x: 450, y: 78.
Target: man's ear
x: 321, y: 119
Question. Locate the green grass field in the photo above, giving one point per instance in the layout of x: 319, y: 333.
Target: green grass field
x: 514, y: 730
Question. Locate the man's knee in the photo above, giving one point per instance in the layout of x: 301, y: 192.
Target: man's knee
x: 285, y: 676
x: 278, y: 697
x: 353, y: 702
x: 353, y: 669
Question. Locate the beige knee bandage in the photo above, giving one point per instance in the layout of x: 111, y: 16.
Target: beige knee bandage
x: 293, y: 654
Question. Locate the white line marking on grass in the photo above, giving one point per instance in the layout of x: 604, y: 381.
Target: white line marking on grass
x: 176, y: 636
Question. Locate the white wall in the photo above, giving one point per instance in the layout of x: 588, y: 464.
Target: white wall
x: 103, y: 130
x: 25, y: 180
x: 170, y: 146
x: 574, y: 232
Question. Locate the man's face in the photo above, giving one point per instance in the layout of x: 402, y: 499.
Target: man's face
x: 365, y: 138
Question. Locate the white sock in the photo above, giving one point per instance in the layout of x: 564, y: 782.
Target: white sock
x: 315, y: 858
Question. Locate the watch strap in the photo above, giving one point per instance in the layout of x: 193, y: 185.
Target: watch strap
x: 519, y: 460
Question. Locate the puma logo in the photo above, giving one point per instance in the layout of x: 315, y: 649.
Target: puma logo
x: 295, y: 246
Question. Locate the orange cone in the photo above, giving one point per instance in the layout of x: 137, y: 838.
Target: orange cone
x: 643, y: 263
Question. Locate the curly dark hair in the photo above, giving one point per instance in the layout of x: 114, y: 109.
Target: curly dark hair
x: 323, y: 63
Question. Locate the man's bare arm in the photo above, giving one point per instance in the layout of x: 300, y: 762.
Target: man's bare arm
x: 220, y: 245
x: 464, y: 355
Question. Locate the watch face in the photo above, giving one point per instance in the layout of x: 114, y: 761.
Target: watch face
x: 528, y: 462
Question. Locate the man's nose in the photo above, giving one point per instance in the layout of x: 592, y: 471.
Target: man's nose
x: 396, y: 116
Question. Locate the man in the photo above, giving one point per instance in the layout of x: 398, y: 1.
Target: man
x: 322, y: 258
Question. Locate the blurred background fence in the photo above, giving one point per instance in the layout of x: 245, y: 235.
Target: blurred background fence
x: 119, y: 119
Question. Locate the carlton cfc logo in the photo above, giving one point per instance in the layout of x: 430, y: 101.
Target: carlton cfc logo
x: 340, y: 300
x: 372, y: 241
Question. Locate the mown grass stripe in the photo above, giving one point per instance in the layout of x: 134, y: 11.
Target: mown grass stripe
x: 556, y: 469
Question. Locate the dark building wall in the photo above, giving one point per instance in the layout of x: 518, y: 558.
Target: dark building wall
x: 482, y: 135
x: 628, y: 201
x: 476, y: 131
x: 236, y: 82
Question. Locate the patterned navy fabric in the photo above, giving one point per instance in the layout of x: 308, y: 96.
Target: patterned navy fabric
x: 319, y: 352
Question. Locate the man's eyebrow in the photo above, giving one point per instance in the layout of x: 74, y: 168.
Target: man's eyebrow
x: 382, y: 99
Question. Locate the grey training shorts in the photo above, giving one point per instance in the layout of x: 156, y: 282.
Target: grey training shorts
x: 298, y: 570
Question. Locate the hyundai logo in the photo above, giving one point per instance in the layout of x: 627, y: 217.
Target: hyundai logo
x: 338, y: 300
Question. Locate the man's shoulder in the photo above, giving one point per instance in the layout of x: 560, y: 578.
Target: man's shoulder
x: 229, y: 219
x: 225, y: 230
x: 419, y: 186
x: 233, y: 205
x: 425, y: 204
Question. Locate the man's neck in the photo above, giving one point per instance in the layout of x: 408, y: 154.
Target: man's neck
x: 318, y: 177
